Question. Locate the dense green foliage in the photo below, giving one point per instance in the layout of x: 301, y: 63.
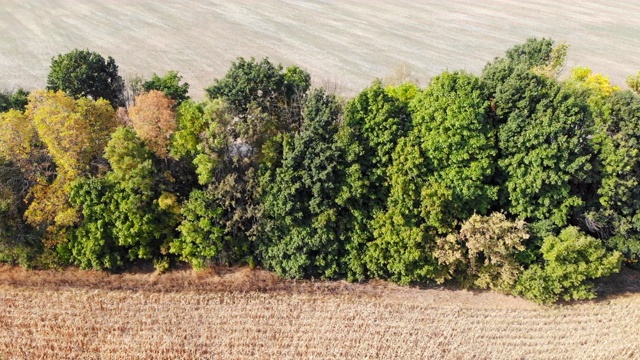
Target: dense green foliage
x: 542, y: 137
x: 570, y: 260
x: 373, y: 123
x: 125, y: 213
x: 441, y: 174
x: 170, y: 85
x: 16, y: 100
x: 302, y: 228
x: 83, y: 73
x: 251, y: 86
x: 617, y: 219
x: 514, y: 180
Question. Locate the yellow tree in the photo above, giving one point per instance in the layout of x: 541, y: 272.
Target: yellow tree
x: 154, y: 121
x: 73, y: 132
x: 18, y: 143
x: 597, y: 83
x: 22, y: 164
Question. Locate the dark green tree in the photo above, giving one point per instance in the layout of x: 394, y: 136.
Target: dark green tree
x: 170, y: 85
x: 301, y: 234
x: 544, y: 130
x: 617, y: 139
x: 251, y: 86
x: 83, y: 73
x: 93, y: 245
x: 546, y: 160
x: 16, y: 100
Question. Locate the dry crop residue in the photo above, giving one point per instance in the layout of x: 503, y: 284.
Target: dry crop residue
x: 252, y: 314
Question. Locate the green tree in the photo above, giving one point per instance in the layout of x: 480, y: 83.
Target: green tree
x: 190, y: 126
x: 92, y: 245
x: 533, y: 54
x: 127, y: 215
x: 616, y: 217
x: 571, y: 260
x: 16, y: 100
x: 170, y: 85
x: 544, y: 129
x: 250, y: 85
x: 226, y: 137
x: 404, y: 92
x: 205, y: 236
x: 226, y: 165
x: 441, y: 175
x: 373, y: 123
x: 546, y: 153
x: 301, y: 234
x: 83, y: 73
x: 201, y: 235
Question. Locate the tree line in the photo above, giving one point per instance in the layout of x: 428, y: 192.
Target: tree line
x: 513, y: 180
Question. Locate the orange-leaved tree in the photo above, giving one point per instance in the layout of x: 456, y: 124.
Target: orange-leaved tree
x: 154, y: 121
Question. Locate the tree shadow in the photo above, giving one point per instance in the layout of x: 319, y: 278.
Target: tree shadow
x: 625, y: 283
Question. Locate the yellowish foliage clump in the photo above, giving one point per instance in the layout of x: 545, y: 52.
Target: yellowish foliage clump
x: 483, y: 252
x: 596, y: 82
x: 54, y: 141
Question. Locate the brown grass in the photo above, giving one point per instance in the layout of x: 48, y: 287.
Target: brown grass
x: 239, y: 313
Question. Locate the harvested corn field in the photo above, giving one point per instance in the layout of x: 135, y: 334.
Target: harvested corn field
x: 252, y: 314
x: 346, y: 44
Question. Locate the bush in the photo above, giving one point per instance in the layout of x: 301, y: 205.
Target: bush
x: 201, y: 237
x: 570, y: 260
x: 484, y: 253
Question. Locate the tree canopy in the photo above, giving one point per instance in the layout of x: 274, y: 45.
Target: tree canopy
x: 170, y: 85
x: 83, y: 73
x: 517, y: 180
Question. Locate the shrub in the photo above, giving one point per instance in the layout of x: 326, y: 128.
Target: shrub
x: 484, y: 253
x: 570, y: 260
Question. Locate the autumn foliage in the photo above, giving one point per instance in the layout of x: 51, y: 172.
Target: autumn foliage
x: 511, y: 180
x: 154, y: 120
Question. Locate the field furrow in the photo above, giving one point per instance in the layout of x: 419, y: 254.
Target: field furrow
x: 296, y: 320
x: 344, y: 44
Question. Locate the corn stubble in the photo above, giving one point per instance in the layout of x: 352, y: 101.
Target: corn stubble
x: 251, y: 314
